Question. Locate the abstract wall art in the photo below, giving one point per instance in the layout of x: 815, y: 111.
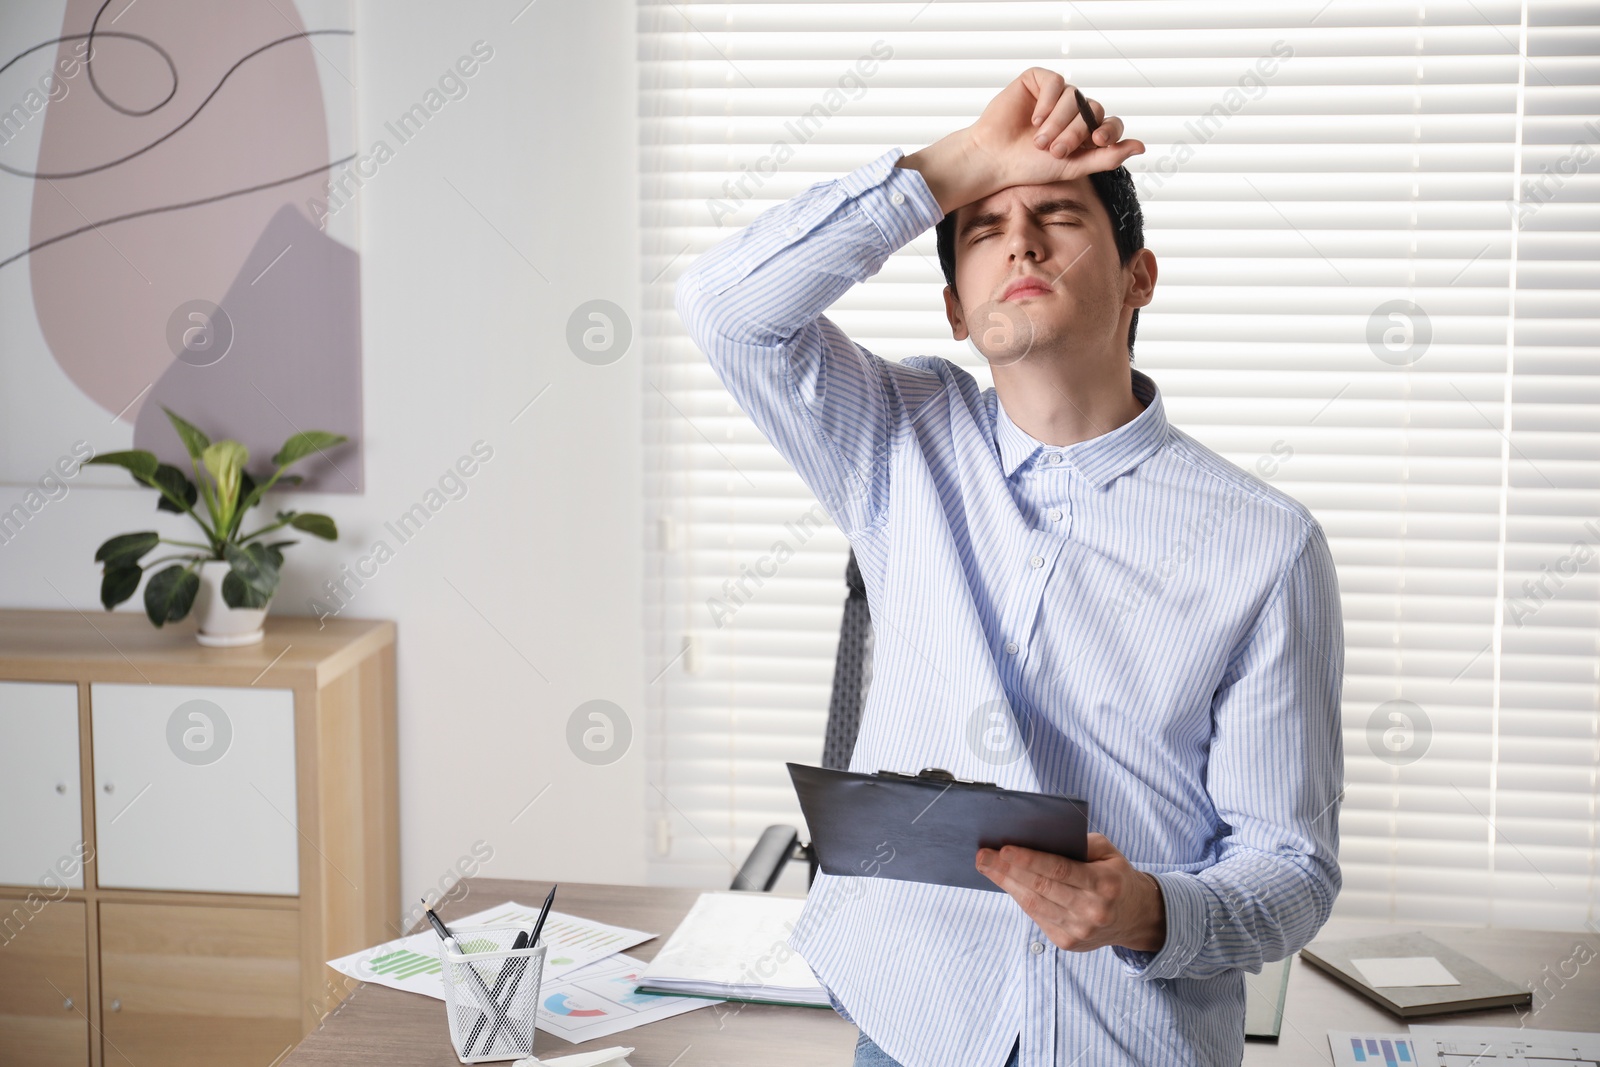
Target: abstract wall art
x: 165, y: 170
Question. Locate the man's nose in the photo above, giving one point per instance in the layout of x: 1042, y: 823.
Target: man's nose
x: 1027, y: 240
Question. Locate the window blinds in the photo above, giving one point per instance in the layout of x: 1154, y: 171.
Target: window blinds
x: 1378, y: 232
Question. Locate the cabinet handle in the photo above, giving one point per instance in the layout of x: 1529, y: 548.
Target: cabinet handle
x: 116, y: 1005
x: 61, y: 787
x: 109, y: 788
x: 67, y: 1004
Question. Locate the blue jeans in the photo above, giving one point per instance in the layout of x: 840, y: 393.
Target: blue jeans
x: 868, y: 1054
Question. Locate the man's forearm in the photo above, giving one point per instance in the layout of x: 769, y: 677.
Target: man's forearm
x: 1151, y: 933
x: 763, y: 284
x: 952, y: 170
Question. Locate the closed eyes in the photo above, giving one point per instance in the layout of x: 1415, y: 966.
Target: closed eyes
x: 1056, y: 222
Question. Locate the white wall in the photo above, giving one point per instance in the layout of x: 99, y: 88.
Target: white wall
x: 537, y: 569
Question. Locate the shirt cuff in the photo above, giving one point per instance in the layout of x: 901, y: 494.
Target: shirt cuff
x: 896, y: 199
x: 1188, y: 929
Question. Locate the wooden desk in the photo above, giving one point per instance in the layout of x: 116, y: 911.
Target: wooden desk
x: 1317, y: 1002
x: 378, y: 1025
x: 384, y: 1026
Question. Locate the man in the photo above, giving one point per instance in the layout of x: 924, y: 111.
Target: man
x: 1069, y: 595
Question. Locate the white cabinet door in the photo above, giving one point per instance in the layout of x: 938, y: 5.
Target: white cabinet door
x: 195, y: 788
x: 41, y: 835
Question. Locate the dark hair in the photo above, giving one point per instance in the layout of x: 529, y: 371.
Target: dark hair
x: 1117, y: 195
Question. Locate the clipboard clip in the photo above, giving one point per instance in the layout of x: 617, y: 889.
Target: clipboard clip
x: 934, y: 774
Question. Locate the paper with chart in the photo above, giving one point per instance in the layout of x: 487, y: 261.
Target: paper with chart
x: 1488, y: 1046
x: 1464, y: 1046
x: 601, y: 999
x: 412, y: 963
x: 1352, y: 1048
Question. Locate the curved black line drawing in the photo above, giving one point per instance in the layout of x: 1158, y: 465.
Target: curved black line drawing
x: 173, y: 207
x: 38, y: 175
x: 88, y: 68
x: 94, y: 31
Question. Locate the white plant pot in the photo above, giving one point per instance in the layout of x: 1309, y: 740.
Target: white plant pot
x: 220, y: 625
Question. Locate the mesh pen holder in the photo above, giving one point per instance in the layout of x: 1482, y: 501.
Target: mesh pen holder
x: 491, y: 991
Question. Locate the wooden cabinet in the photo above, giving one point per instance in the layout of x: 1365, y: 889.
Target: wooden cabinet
x: 205, y: 828
x: 183, y: 985
x: 44, y: 984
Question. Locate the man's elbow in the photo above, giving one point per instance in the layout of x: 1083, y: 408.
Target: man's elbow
x: 1323, y: 880
x: 686, y: 294
x: 711, y: 323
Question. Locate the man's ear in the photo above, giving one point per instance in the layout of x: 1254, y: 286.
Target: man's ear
x: 1142, y: 287
x: 952, y: 311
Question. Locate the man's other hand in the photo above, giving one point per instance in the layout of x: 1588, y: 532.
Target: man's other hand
x: 1082, y: 905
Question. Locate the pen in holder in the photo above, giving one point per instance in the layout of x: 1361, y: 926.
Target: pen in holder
x: 491, y: 990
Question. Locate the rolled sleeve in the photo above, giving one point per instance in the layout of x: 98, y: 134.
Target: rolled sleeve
x: 1188, y: 928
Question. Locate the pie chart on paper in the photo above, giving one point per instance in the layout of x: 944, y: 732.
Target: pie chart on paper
x: 562, y: 1004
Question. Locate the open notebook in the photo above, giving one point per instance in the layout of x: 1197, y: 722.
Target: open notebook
x: 734, y: 946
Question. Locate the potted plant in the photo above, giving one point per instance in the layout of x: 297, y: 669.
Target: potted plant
x: 232, y: 575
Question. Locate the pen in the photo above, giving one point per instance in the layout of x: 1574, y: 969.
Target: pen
x: 499, y: 981
x: 502, y: 1017
x: 544, y: 911
x: 450, y: 940
x: 438, y: 924
x: 1086, y: 111
x: 516, y: 979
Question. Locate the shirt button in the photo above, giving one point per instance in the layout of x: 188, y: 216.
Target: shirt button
x: 1037, y: 561
x: 898, y: 198
x: 1036, y: 948
x: 793, y: 230
x: 1055, y: 457
x: 1055, y: 514
x: 1011, y: 648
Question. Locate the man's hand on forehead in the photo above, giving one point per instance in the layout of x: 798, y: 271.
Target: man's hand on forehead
x: 1041, y: 129
x: 1038, y: 130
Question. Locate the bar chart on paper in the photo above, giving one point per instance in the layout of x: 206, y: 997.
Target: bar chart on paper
x: 1387, y: 1052
x: 412, y: 963
x: 1351, y: 1049
x: 403, y: 963
x: 570, y: 939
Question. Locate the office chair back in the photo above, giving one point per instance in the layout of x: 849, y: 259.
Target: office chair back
x: 852, y: 674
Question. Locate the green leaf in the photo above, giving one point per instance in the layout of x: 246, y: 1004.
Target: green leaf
x: 140, y: 463
x: 236, y: 594
x: 125, y: 549
x: 247, y: 486
x: 119, y: 583
x: 249, y: 493
x: 225, y: 460
x: 175, y: 485
x: 306, y: 442
x: 194, y: 441
x: 316, y: 525
x: 253, y: 566
x: 275, y: 555
x: 170, y: 593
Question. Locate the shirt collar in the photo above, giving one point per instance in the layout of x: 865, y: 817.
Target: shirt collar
x: 1100, y: 459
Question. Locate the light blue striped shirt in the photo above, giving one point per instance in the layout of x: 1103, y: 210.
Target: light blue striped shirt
x: 1131, y: 619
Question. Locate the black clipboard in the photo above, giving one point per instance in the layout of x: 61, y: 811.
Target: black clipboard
x: 928, y: 827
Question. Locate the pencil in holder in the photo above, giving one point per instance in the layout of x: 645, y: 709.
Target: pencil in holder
x: 491, y: 991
